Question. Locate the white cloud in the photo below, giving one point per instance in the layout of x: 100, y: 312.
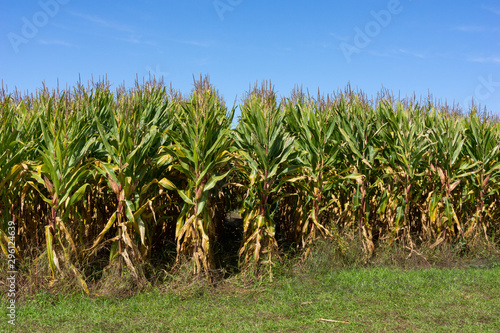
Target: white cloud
x: 133, y: 39
x: 102, y: 22
x: 395, y: 52
x: 493, y: 59
x: 191, y: 42
x: 469, y: 28
x: 380, y: 54
x: 495, y: 10
x: 54, y: 42
x: 476, y: 28
x: 130, y: 37
x: 340, y: 37
x: 412, y: 53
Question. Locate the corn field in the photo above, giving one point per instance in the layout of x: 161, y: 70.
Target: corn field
x: 89, y: 172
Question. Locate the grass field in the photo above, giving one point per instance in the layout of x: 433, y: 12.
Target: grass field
x: 362, y: 299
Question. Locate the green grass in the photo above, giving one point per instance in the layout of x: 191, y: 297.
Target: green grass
x: 370, y: 299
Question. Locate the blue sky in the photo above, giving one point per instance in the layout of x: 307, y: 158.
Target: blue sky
x: 448, y: 48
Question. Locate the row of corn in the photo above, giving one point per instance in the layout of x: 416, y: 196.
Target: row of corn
x: 89, y: 172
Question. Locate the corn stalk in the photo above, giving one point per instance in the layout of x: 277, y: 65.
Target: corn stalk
x: 359, y: 127
x: 201, y: 151
x: 60, y: 179
x: 130, y: 141
x: 318, y: 150
x: 264, y: 148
